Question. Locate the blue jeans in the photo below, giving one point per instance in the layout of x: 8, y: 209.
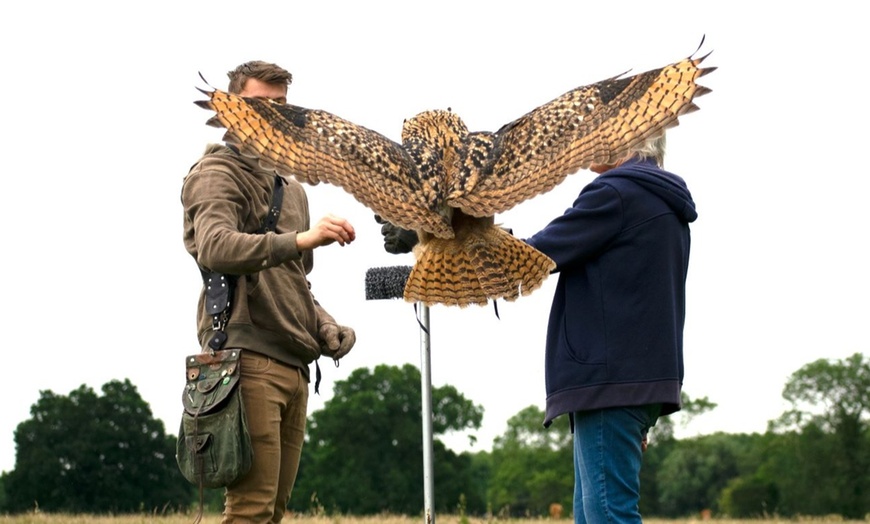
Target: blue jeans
x: 607, y: 458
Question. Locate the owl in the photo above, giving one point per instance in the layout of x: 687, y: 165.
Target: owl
x: 448, y: 183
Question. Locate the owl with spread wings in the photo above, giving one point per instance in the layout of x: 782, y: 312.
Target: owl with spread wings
x: 448, y: 183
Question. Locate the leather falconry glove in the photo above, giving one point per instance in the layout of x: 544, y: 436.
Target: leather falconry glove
x: 336, y: 340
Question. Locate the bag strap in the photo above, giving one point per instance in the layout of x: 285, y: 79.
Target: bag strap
x: 219, y: 287
x: 271, y: 220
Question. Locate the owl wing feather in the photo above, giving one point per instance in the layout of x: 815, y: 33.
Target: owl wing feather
x: 597, y: 123
x: 316, y: 146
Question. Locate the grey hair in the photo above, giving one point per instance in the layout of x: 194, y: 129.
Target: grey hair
x: 653, y: 147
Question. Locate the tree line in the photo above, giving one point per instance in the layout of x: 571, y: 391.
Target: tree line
x: 90, y: 453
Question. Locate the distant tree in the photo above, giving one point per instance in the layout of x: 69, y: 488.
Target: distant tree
x: 833, y: 394
x: 696, y: 470
x: 85, y: 453
x: 661, y: 443
x: 364, y: 449
x: 477, y: 500
x: 799, y: 465
x: 749, y: 497
x: 532, y: 466
x: 691, y: 408
x: 828, y: 463
x: 3, y: 507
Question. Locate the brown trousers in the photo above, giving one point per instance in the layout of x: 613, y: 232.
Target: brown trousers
x: 276, y: 401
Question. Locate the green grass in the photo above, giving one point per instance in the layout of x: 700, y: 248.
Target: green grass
x: 47, y: 518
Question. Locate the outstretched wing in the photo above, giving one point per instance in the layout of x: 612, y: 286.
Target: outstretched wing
x: 597, y: 123
x: 316, y: 146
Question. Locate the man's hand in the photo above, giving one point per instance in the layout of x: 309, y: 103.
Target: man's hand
x: 327, y: 230
x: 396, y: 239
x: 335, y: 341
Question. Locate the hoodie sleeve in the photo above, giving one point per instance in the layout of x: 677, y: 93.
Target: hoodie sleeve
x: 218, y: 211
x: 584, y: 230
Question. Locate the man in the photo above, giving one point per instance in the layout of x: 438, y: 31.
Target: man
x: 274, y: 317
x: 614, y: 349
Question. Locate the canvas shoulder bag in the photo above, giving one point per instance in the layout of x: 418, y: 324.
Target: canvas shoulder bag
x: 214, y: 446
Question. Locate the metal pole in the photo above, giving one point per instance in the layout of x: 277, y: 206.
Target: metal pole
x: 426, y: 383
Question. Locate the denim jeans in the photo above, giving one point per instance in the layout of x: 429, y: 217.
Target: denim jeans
x: 276, y: 403
x: 607, y: 458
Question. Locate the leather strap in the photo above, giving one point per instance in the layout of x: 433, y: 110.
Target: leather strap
x: 219, y: 287
x: 271, y: 220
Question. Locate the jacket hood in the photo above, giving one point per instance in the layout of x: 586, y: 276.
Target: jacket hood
x: 233, y: 152
x: 669, y: 187
x: 217, y: 149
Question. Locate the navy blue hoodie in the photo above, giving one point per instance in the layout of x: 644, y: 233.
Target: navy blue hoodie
x: 615, y: 334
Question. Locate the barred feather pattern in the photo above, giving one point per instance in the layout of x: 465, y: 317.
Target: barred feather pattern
x: 447, y: 183
x: 484, y: 262
x: 599, y: 123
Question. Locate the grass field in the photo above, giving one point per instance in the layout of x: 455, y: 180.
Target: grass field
x: 43, y: 518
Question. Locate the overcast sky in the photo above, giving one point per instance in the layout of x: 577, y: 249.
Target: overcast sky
x: 99, y: 128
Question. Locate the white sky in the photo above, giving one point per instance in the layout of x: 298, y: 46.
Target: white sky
x: 99, y: 128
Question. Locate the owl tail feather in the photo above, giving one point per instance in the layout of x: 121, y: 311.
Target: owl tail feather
x: 486, y: 264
